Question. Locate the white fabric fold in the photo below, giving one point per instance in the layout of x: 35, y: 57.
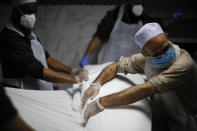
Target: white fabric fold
x: 117, y: 84
x: 52, y: 110
x: 79, y: 89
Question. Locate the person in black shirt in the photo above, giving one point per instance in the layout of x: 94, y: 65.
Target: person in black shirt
x: 25, y: 62
x: 10, y: 120
x: 116, y: 31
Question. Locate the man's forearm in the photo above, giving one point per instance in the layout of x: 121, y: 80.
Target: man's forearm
x: 128, y: 96
x: 55, y: 77
x: 107, y: 74
x: 94, y: 43
x: 57, y: 66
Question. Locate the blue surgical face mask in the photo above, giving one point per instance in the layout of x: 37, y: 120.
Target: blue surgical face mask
x: 164, y: 60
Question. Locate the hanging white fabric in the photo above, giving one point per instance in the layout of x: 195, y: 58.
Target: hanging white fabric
x: 121, y: 41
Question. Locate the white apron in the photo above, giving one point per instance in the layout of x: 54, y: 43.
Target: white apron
x: 169, y: 110
x: 29, y: 82
x: 121, y: 41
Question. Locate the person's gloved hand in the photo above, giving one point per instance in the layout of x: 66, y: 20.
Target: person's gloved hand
x: 84, y: 61
x: 82, y: 75
x: 92, y: 109
x: 75, y: 71
x: 91, y: 92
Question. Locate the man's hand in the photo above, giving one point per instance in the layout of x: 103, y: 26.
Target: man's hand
x: 92, y: 109
x: 84, y: 61
x: 81, y: 75
x: 91, y: 92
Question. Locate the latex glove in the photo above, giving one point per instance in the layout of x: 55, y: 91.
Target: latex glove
x: 91, y: 92
x: 81, y: 76
x: 75, y: 71
x: 84, y: 61
x: 92, y: 109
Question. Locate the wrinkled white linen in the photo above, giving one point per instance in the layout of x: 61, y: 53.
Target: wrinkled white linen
x: 78, y: 89
x: 52, y: 110
x: 119, y: 83
x: 46, y: 110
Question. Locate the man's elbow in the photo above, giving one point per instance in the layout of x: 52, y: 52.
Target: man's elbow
x: 148, y: 89
x: 113, y: 67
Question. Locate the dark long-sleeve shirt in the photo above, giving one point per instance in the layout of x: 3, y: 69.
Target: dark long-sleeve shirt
x: 8, y: 112
x: 17, y: 56
x: 106, y: 25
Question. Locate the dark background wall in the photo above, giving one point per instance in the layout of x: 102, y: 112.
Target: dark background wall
x: 74, y: 2
x: 65, y: 27
x: 185, y: 30
x: 160, y: 8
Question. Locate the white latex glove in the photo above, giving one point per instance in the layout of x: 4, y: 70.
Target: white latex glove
x: 75, y: 71
x: 91, y: 92
x: 80, y: 75
x: 92, y: 109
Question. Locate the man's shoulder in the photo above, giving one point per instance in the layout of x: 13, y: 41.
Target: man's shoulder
x: 10, y: 36
x: 114, y: 11
x: 139, y: 57
x: 6, y: 32
x: 184, y: 61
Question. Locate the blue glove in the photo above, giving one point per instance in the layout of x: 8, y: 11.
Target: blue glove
x: 177, y: 15
x: 84, y: 61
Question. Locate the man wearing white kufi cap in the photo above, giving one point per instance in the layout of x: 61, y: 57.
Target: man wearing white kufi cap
x: 25, y: 62
x: 171, y: 84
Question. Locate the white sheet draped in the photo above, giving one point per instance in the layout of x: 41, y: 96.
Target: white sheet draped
x: 52, y: 110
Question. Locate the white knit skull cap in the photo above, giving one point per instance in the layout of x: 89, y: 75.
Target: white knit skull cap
x: 147, y: 32
x: 21, y: 2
